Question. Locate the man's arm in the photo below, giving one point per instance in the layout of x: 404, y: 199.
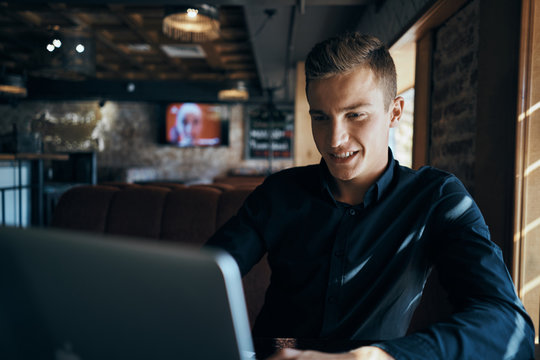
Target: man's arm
x: 489, y: 320
x: 363, y: 353
x: 242, y: 236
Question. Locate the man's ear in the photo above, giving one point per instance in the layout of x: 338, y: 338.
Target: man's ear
x: 396, y: 111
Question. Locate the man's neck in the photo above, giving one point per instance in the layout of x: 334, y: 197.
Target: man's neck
x: 349, y: 193
x: 352, y: 191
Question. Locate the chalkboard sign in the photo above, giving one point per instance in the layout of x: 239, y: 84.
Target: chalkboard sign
x: 264, y: 121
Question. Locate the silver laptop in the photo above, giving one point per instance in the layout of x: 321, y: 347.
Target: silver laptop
x: 75, y: 296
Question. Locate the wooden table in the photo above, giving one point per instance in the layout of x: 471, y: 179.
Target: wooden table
x: 32, y: 156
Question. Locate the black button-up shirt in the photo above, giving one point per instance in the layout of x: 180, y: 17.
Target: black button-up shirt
x: 357, y: 272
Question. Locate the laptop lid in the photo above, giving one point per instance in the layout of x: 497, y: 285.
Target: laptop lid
x: 76, y: 296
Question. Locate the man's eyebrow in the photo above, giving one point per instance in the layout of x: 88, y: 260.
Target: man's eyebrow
x: 346, y: 108
x: 355, y: 106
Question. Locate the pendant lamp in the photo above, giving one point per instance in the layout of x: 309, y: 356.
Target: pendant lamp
x: 197, y: 23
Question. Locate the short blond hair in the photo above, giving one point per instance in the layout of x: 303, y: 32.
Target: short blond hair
x: 343, y: 53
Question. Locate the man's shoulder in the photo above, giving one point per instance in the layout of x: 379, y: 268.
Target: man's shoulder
x: 439, y: 180
x: 427, y: 173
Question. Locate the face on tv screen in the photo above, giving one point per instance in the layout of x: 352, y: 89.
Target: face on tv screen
x: 192, y: 124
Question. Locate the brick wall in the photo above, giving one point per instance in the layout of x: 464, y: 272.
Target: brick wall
x: 454, y: 95
x: 125, y: 136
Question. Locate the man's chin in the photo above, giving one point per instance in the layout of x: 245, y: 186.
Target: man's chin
x: 343, y: 172
x: 343, y: 176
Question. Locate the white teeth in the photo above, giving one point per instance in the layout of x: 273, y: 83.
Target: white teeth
x: 344, y: 155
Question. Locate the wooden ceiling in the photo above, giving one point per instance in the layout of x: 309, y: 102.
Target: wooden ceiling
x: 128, y: 43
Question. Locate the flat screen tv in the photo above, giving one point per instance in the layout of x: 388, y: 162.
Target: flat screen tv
x: 189, y: 124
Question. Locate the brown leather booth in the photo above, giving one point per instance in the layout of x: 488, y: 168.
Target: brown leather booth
x: 159, y: 212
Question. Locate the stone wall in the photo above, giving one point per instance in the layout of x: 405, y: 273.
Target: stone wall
x: 125, y: 136
x: 454, y: 95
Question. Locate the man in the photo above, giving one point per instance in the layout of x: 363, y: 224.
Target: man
x: 351, y: 241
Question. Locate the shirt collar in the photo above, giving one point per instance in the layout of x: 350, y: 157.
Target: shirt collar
x: 375, y: 191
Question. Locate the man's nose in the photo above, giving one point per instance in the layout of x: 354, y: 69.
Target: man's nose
x: 338, y: 134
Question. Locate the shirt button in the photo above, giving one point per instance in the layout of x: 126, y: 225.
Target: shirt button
x: 352, y: 212
x: 339, y: 253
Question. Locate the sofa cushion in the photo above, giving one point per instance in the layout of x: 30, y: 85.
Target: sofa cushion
x: 136, y: 211
x: 84, y: 208
x: 189, y: 215
x: 169, y: 185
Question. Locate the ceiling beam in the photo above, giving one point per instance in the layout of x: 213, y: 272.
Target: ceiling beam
x: 145, y: 90
x: 79, y: 20
x: 134, y: 27
x: 212, y: 55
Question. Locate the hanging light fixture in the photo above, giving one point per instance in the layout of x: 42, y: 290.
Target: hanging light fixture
x: 198, y: 23
x: 236, y: 93
x: 69, y: 53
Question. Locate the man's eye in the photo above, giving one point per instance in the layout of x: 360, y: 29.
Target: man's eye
x: 318, y: 117
x: 356, y: 115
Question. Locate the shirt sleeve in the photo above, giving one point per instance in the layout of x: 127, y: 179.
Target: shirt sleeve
x: 242, y: 236
x: 489, y: 321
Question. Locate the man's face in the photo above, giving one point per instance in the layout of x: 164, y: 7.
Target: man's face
x: 192, y: 126
x: 350, y: 124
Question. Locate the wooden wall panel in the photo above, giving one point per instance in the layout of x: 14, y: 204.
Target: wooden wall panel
x: 498, y: 64
x: 422, y: 101
x: 305, y: 151
x: 527, y: 204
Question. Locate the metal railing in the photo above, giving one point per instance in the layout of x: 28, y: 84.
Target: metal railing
x: 18, y: 220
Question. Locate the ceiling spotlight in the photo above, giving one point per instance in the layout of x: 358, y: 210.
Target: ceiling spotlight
x: 71, y: 54
x: 192, y: 13
x: 191, y: 24
x: 130, y: 87
x: 238, y: 92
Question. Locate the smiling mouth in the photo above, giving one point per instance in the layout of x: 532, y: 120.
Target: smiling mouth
x: 344, y: 155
